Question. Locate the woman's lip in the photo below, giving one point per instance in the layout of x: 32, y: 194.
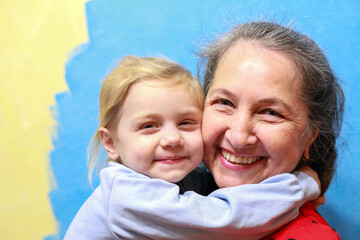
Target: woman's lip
x: 237, y: 154
x: 237, y: 166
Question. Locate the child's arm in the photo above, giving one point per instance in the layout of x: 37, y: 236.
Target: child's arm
x: 142, y: 208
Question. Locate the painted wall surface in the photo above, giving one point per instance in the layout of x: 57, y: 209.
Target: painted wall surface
x: 35, y: 40
x: 52, y: 64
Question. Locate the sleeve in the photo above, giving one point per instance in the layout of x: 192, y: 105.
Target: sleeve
x: 153, y: 209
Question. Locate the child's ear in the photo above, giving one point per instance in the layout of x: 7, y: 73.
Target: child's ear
x: 109, y: 143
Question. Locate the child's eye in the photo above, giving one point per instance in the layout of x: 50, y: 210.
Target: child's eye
x: 148, y: 126
x: 188, y: 125
x: 271, y: 112
x: 186, y: 122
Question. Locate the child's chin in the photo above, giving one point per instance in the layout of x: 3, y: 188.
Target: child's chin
x: 174, y: 179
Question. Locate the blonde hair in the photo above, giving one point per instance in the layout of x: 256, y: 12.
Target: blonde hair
x: 116, y: 85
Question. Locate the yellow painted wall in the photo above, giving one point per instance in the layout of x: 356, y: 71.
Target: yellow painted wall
x: 35, y: 39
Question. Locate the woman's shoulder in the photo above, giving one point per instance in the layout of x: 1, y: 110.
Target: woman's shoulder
x: 198, y: 181
x: 308, y: 225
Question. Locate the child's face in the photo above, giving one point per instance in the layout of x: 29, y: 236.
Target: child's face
x: 159, y: 132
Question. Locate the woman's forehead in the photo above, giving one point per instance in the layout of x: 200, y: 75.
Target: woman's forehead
x: 245, y: 61
x: 263, y: 73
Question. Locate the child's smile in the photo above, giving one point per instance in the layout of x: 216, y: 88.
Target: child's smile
x: 159, y: 131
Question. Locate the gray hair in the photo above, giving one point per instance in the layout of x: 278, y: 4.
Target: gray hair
x: 320, y: 89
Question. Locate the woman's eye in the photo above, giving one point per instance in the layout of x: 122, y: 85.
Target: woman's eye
x: 224, y: 102
x: 271, y: 112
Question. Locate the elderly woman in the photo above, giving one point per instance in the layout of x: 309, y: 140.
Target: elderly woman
x: 272, y: 105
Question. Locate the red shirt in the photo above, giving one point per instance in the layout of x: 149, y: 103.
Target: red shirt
x: 308, y: 225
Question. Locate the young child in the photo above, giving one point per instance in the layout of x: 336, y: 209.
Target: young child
x: 150, y: 127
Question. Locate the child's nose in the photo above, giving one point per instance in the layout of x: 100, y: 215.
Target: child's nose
x: 171, y: 139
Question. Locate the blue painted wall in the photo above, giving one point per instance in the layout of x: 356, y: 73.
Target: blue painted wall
x: 175, y: 29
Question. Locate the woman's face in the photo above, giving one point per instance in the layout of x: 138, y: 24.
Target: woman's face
x: 254, y: 123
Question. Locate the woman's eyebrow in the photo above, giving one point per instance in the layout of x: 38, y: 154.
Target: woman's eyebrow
x: 275, y: 101
x: 222, y: 91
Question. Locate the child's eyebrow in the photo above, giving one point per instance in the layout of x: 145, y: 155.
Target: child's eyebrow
x: 183, y: 112
x: 190, y: 111
x: 147, y: 116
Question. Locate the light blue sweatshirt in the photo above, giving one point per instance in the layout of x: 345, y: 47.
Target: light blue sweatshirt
x: 129, y: 205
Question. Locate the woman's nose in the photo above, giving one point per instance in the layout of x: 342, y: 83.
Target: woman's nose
x: 171, y: 138
x: 240, y: 132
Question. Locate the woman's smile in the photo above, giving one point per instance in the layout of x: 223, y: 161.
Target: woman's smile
x: 254, y: 122
x: 238, y: 162
x: 238, y: 159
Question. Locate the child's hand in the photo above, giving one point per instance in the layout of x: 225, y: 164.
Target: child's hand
x: 309, y: 171
x: 319, y: 201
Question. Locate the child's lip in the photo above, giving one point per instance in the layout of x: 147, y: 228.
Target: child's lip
x: 170, y: 158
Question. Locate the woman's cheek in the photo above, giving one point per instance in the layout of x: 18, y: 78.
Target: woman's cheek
x: 213, y: 126
x: 209, y: 125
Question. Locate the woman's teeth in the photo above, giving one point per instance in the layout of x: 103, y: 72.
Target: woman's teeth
x: 238, y: 159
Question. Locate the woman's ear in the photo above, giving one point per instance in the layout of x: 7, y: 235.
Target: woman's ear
x: 109, y: 143
x: 309, y: 142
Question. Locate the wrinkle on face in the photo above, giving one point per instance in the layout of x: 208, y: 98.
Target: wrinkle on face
x: 257, y: 82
